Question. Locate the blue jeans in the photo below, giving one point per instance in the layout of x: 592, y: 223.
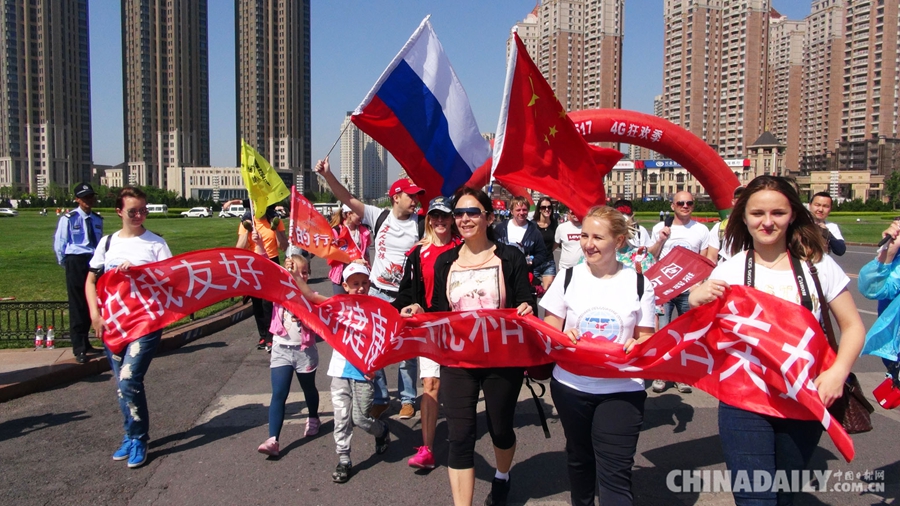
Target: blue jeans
x: 680, y: 304
x: 751, y: 441
x: 407, y: 372
x: 129, y: 369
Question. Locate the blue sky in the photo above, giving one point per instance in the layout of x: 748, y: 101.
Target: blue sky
x: 352, y: 42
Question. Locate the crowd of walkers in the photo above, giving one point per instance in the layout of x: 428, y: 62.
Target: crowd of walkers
x: 455, y: 257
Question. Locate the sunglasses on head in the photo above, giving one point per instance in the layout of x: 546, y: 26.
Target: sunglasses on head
x: 685, y: 203
x: 471, y: 212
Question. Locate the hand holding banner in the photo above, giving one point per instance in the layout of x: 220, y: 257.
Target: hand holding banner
x: 312, y: 232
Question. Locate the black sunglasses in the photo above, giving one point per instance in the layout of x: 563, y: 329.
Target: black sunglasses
x: 471, y: 212
x: 545, y: 207
x: 685, y: 203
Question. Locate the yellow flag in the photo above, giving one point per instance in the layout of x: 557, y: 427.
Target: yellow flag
x: 263, y: 184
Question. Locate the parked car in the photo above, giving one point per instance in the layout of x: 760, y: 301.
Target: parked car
x: 233, y: 211
x: 197, y: 212
x: 7, y: 211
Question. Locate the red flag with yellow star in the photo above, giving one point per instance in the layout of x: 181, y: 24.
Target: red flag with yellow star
x: 537, y: 145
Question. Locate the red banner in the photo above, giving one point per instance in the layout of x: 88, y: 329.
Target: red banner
x: 736, y: 349
x: 312, y: 232
x: 679, y: 270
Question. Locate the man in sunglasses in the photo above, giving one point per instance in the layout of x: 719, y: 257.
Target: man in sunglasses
x: 76, y: 238
x: 685, y: 232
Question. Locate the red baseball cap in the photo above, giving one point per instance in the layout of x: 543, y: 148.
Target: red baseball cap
x: 405, y: 186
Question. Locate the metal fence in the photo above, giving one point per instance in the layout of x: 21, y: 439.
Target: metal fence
x: 19, y: 320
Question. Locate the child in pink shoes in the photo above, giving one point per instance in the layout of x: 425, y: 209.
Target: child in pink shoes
x: 293, y: 352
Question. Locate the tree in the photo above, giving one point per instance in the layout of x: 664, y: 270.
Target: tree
x: 892, y: 188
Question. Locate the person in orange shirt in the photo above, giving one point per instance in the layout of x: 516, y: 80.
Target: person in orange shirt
x: 264, y: 236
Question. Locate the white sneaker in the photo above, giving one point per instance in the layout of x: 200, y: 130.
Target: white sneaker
x: 684, y: 388
x: 659, y: 386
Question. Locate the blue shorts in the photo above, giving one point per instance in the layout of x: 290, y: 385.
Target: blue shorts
x: 547, y: 268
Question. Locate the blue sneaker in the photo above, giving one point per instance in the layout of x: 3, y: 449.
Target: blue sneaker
x: 138, y: 455
x: 124, y: 451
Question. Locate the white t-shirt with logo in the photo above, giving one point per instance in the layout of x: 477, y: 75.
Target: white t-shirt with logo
x: 395, y: 238
x: 694, y: 236
x: 607, y: 309
x: 782, y: 283
x: 568, y: 236
x: 143, y: 249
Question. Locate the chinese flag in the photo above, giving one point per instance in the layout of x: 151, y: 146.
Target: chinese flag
x: 537, y: 145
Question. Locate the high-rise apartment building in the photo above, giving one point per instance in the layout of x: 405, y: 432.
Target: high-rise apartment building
x: 870, y: 96
x: 714, y: 70
x: 785, y: 85
x: 577, y: 44
x: 273, y: 85
x: 822, y: 84
x: 363, y: 163
x: 45, y: 96
x: 166, y: 87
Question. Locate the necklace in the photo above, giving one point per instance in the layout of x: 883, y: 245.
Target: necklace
x: 781, y: 257
x: 473, y: 258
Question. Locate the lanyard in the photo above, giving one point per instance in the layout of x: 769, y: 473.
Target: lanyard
x: 750, y: 277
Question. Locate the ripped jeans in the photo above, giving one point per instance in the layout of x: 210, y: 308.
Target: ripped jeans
x: 129, y: 369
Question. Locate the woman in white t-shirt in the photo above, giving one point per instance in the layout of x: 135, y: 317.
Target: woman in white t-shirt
x: 772, y: 235
x: 133, y: 245
x: 601, y: 417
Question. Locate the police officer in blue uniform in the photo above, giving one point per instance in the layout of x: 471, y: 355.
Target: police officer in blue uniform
x: 77, y: 235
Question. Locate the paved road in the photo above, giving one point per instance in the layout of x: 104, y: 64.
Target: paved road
x: 209, y: 404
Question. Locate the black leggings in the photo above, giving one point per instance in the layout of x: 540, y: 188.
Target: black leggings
x: 459, y: 399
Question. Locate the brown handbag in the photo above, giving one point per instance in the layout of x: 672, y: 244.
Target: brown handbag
x: 852, y: 409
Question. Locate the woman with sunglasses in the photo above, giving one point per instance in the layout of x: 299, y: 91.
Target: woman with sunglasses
x: 546, y: 221
x: 774, y: 241
x: 133, y: 245
x: 480, y: 273
x: 417, y: 289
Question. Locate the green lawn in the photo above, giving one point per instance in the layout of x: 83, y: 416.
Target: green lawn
x: 28, y: 264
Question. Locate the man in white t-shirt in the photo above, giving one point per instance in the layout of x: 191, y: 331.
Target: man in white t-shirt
x: 397, y: 233
x: 568, y: 236
x: 719, y: 250
x: 689, y: 234
x: 820, y: 207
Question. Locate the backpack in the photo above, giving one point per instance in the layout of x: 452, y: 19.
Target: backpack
x: 383, y: 216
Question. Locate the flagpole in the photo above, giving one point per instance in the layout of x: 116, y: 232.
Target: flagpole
x: 338, y: 139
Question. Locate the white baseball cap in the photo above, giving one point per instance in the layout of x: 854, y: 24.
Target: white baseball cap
x: 355, y: 268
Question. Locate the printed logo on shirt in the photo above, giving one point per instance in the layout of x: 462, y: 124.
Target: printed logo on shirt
x: 392, y: 275
x: 574, y: 237
x: 600, y: 322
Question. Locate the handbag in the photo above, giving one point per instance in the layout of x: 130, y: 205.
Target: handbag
x: 852, y: 409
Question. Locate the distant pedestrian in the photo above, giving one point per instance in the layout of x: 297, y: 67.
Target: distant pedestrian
x: 129, y: 247
x: 77, y: 235
x: 361, y: 235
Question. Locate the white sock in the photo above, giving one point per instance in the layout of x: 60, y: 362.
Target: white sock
x: 501, y: 476
x: 344, y: 458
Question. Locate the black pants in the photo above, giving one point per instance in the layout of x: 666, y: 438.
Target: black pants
x: 601, y: 439
x: 459, y: 399
x: 262, y: 313
x: 79, y: 315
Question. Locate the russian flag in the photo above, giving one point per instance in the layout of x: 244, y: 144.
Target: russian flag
x: 420, y: 113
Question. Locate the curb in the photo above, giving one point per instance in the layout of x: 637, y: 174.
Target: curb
x: 68, y: 371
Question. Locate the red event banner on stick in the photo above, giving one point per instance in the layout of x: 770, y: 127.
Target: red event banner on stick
x: 679, y: 270
x: 312, y: 232
x: 735, y: 348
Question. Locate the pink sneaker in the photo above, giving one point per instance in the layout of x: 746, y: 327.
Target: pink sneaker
x: 312, y: 427
x: 269, y: 447
x: 423, y: 459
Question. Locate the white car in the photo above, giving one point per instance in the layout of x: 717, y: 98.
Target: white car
x: 197, y: 212
x: 234, y: 211
x: 6, y: 211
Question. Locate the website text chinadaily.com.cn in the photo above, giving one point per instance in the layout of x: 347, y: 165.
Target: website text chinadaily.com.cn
x: 720, y: 480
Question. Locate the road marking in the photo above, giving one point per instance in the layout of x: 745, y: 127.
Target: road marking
x: 867, y: 312
x: 861, y: 252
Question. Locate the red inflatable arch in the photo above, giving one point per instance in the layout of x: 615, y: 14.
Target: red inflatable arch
x: 630, y: 127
